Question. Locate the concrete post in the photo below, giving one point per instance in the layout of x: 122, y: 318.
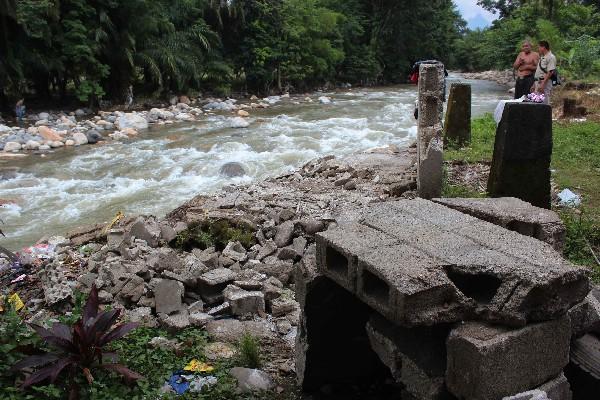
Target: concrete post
x: 429, y: 133
x: 457, y: 124
x: 522, y: 154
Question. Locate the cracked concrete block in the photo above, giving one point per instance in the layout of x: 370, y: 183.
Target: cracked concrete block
x: 167, y: 296
x: 337, y: 251
x: 522, y: 152
x: 485, y: 270
x: 244, y: 302
x: 489, y: 362
x: 416, y: 357
x: 212, y: 284
x: 585, y: 316
x: 515, y: 215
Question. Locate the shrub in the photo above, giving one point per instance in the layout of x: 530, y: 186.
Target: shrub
x: 249, y: 351
x: 79, y: 349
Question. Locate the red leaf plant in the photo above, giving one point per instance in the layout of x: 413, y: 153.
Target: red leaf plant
x: 80, y: 347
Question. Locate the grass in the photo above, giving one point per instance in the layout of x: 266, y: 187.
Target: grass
x: 217, y: 233
x: 575, y: 165
x: 249, y: 351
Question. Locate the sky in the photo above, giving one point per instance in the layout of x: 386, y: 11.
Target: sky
x: 475, y: 16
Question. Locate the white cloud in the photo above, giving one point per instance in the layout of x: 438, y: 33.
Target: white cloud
x: 469, y: 10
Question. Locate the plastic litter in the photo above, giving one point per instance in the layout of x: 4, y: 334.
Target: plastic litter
x: 181, y: 382
x: 13, y: 299
x: 200, y: 382
x: 42, y: 251
x: 19, y: 278
x: 198, y: 366
x: 569, y: 199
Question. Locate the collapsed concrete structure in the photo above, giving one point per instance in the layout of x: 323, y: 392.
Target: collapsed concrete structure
x: 447, y: 305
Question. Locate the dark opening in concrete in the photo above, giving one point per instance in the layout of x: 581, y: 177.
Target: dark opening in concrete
x: 480, y: 287
x: 336, y: 262
x: 524, y: 228
x: 375, y: 288
x: 338, y: 361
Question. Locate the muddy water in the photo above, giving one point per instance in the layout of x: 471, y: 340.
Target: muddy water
x: 166, y: 166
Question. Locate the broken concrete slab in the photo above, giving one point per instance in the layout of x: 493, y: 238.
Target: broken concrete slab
x: 457, y: 124
x: 146, y: 229
x: 244, y: 302
x: 440, y: 265
x: 585, y: 316
x: 489, y: 362
x: 167, y: 296
x: 212, y: 284
x: 515, y: 215
x: 231, y: 330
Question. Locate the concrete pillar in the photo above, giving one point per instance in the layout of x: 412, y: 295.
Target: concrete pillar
x: 457, y: 125
x: 522, y: 154
x: 429, y: 133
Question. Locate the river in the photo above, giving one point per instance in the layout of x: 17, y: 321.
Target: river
x: 168, y: 165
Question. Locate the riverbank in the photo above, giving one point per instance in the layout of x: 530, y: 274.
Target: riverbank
x: 575, y: 166
x: 505, y: 78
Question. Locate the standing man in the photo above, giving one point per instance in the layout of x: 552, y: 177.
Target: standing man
x: 526, y: 65
x: 544, y: 72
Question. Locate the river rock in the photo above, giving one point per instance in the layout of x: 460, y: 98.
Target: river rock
x: 79, y: 112
x: 69, y: 142
x: 12, y: 146
x: 324, y: 100
x: 232, y: 169
x: 80, y: 138
x: 93, y: 136
x: 184, y: 100
x: 243, y: 113
x: 251, y: 379
x: 43, y: 115
x: 31, y: 145
x: 284, y: 234
x: 131, y: 120
x: 48, y: 134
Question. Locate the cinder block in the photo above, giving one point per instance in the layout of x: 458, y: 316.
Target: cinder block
x: 457, y: 125
x: 402, y: 350
x: 339, y: 248
x: 487, y: 362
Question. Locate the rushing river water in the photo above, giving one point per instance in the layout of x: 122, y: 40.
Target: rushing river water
x: 162, y: 168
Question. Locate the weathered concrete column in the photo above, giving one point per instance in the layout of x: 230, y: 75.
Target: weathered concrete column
x: 522, y: 154
x: 429, y: 134
x: 457, y: 124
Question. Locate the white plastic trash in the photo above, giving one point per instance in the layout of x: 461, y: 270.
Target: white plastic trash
x: 569, y: 199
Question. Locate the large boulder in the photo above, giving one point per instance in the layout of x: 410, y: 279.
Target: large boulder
x: 48, y: 134
x: 80, y: 138
x: 232, y: 169
x: 131, y: 120
x: 93, y: 136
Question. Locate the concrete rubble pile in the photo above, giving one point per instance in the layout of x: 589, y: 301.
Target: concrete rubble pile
x: 447, y: 305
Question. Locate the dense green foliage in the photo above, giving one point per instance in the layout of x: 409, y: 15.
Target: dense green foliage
x: 94, y: 50
x: 571, y: 27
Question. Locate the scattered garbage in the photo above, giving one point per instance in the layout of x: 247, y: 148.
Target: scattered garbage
x: 13, y: 299
x: 40, y: 251
x: 190, y: 379
x: 536, y: 97
x: 198, y: 366
x: 569, y: 199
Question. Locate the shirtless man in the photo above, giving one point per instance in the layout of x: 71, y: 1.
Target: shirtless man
x: 525, y: 64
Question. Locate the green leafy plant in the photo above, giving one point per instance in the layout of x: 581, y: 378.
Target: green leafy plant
x: 249, y: 351
x: 218, y: 233
x: 79, y: 349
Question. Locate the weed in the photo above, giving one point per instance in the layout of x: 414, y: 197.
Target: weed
x: 582, y: 244
x: 249, y: 351
x: 217, y: 233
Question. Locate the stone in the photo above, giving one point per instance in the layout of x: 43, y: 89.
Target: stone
x: 488, y: 362
x: 266, y: 250
x: 68, y: 142
x: 232, y: 170
x: 515, y: 215
x: 212, y: 284
x: 93, y: 136
x: 457, y: 124
x: 280, y: 269
x: 243, y: 113
x: 48, y: 134
x: 288, y: 253
x: 31, y: 145
x: 12, y: 146
x: 222, y: 309
x: 79, y: 138
x: 146, y: 229
x: 282, y: 306
x: 350, y: 185
x: 131, y: 120
x: 251, y: 379
x: 200, y: 319
x: 143, y: 316
x: 299, y: 244
x: 584, y: 370
x: 284, y: 234
x: 132, y: 290
x: 585, y: 316
x: 196, y: 307
x: 163, y: 343
x: 235, y: 251
x: 429, y: 130
x: 167, y: 233
x: 231, y: 330
x: 522, y: 152
x: 164, y: 259
x: 312, y: 226
x: 167, y: 296
x: 176, y: 322
x: 219, y: 351
x: 420, y: 263
x: 244, y: 302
